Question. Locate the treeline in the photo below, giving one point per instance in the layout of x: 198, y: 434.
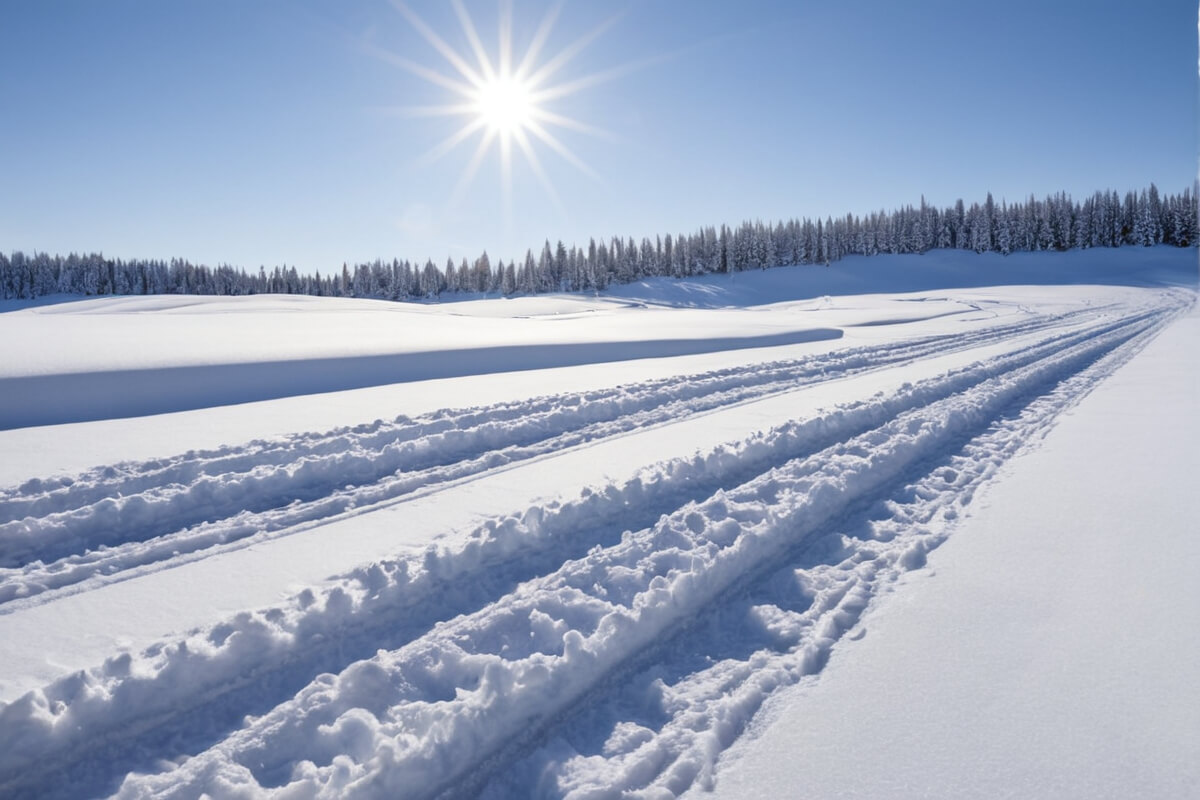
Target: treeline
x: 1105, y: 219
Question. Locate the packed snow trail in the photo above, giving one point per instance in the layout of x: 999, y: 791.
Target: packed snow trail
x: 57, y: 532
x: 124, y: 713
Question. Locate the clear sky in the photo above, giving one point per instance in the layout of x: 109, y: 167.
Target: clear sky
x: 279, y: 132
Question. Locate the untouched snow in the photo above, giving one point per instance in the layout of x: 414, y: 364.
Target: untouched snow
x: 570, y: 546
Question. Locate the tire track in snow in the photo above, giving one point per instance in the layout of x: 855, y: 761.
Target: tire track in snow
x: 68, y: 704
x: 658, y: 726
x: 61, y: 532
x: 956, y: 425
x: 434, y: 715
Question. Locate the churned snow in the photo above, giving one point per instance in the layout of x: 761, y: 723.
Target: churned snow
x: 666, y: 539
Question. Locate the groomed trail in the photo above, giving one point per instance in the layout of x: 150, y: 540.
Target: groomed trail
x: 613, y: 636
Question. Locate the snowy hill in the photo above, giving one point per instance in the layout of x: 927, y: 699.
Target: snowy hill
x: 573, y: 545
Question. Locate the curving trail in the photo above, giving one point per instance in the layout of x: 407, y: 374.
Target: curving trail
x: 614, y: 640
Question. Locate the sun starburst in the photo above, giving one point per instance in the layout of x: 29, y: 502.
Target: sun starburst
x: 504, y: 104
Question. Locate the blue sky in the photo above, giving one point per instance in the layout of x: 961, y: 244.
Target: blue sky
x: 267, y: 132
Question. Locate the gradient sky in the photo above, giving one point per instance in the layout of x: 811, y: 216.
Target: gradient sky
x: 266, y: 132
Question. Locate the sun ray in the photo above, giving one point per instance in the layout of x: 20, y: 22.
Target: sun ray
x: 468, y: 175
x: 449, y: 110
x: 564, y: 56
x: 439, y: 44
x: 538, y: 41
x: 535, y: 164
x: 431, y: 75
x: 554, y: 144
x: 588, y: 81
x: 506, y: 205
x: 558, y: 120
x: 504, y: 31
x: 451, y: 142
x: 464, y: 19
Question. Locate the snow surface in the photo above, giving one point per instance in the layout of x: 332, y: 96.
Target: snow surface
x: 1037, y: 656
x: 548, y: 546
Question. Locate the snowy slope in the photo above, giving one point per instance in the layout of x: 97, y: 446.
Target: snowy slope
x: 545, y: 545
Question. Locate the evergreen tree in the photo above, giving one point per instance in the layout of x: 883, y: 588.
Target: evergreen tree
x: 1143, y: 218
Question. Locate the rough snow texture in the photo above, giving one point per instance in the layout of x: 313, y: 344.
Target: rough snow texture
x: 1039, y: 654
x: 60, y: 531
x: 614, y: 642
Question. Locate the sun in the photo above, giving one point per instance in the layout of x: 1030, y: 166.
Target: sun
x: 505, y: 103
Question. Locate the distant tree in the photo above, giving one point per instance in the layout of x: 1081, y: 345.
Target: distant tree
x: 508, y: 284
x: 1145, y: 217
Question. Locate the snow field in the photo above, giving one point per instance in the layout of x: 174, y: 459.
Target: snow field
x: 557, y: 600
x: 473, y: 692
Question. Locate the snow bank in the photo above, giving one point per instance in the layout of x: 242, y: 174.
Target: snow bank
x: 76, y: 397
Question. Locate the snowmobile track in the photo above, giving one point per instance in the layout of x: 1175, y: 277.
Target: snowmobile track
x: 120, y: 520
x: 565, y: 603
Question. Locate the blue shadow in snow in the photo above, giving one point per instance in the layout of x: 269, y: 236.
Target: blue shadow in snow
x: 81, y: 397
